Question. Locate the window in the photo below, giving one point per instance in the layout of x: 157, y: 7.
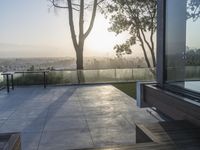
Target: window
x: 182, y: 45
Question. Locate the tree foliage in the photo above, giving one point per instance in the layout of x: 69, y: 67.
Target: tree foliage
x: 193, y: 9
x: 192, y: 57
x: 137, y: 17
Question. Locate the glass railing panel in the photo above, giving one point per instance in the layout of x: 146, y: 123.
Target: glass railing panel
x: 28, y: 78
x: 91, y: 76
x: 107, y: 75
x: 143, y: 74
x: 192, y: 72
x: 62, y: 77
x: 81, y: 76
x: 1, y: 81
x: 124, y: 74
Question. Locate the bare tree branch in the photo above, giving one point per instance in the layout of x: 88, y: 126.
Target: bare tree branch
x: 64, y: 7
x: 143, y: 49
x: 92, y: 19
x: 71, y: 24
x: 71, y: 5
x: 81, y: 23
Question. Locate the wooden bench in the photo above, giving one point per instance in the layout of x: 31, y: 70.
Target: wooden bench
x: 10, y: 141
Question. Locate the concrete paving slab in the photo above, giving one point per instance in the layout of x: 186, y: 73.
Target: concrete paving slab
x: 141, y: 116
x: 28, y: 113
x: 117, y: 122
x: 2, y: 122
x: 4, y: 114
x: 64, y: 140
x: 71, y: 117
x: 23, y: 125
x: 65, y: 123
x: 30, y: 141
x: 105, y: 137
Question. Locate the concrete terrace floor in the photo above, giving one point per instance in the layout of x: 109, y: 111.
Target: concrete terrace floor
x: 71, y: 117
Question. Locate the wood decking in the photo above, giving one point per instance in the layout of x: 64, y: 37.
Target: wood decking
x: 175, y: 135
x: 10, y: 141
x: 181, y: 134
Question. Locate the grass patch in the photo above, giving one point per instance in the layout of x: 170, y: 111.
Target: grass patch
x: 128, y: 88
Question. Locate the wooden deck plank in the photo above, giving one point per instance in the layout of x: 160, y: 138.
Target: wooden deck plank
x: 10, y: 141
x: 177, y: 135
x: 170, y: 131
x: 140, y: 146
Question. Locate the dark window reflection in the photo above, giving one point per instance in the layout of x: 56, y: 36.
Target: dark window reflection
x: 182, y: 44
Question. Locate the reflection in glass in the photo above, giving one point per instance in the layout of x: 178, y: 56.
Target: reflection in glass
x: 182, y: 45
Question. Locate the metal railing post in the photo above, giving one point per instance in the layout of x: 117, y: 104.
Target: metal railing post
x: 78, y: 76
x: 115, y: 74
x: 8, y: 85
x: 12, y: 81
x: 132, y: 74
x: 44, y: 79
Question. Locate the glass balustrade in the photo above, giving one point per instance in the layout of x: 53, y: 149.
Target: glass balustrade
x: 83, y: 76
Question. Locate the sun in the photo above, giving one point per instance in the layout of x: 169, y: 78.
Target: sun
x: 101, y: 41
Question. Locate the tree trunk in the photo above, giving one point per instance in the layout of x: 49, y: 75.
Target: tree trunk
x: 144, y: 50
x: 78, y: 42
x: 71, y: 25
x: 79, y: 64
x: 79, y: 59
x: 79, y: 52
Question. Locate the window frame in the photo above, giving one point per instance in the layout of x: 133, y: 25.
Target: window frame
x: 161, y: 70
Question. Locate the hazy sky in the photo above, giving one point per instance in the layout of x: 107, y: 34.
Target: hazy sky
x: 193, y: 33
x: 28, y: 29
